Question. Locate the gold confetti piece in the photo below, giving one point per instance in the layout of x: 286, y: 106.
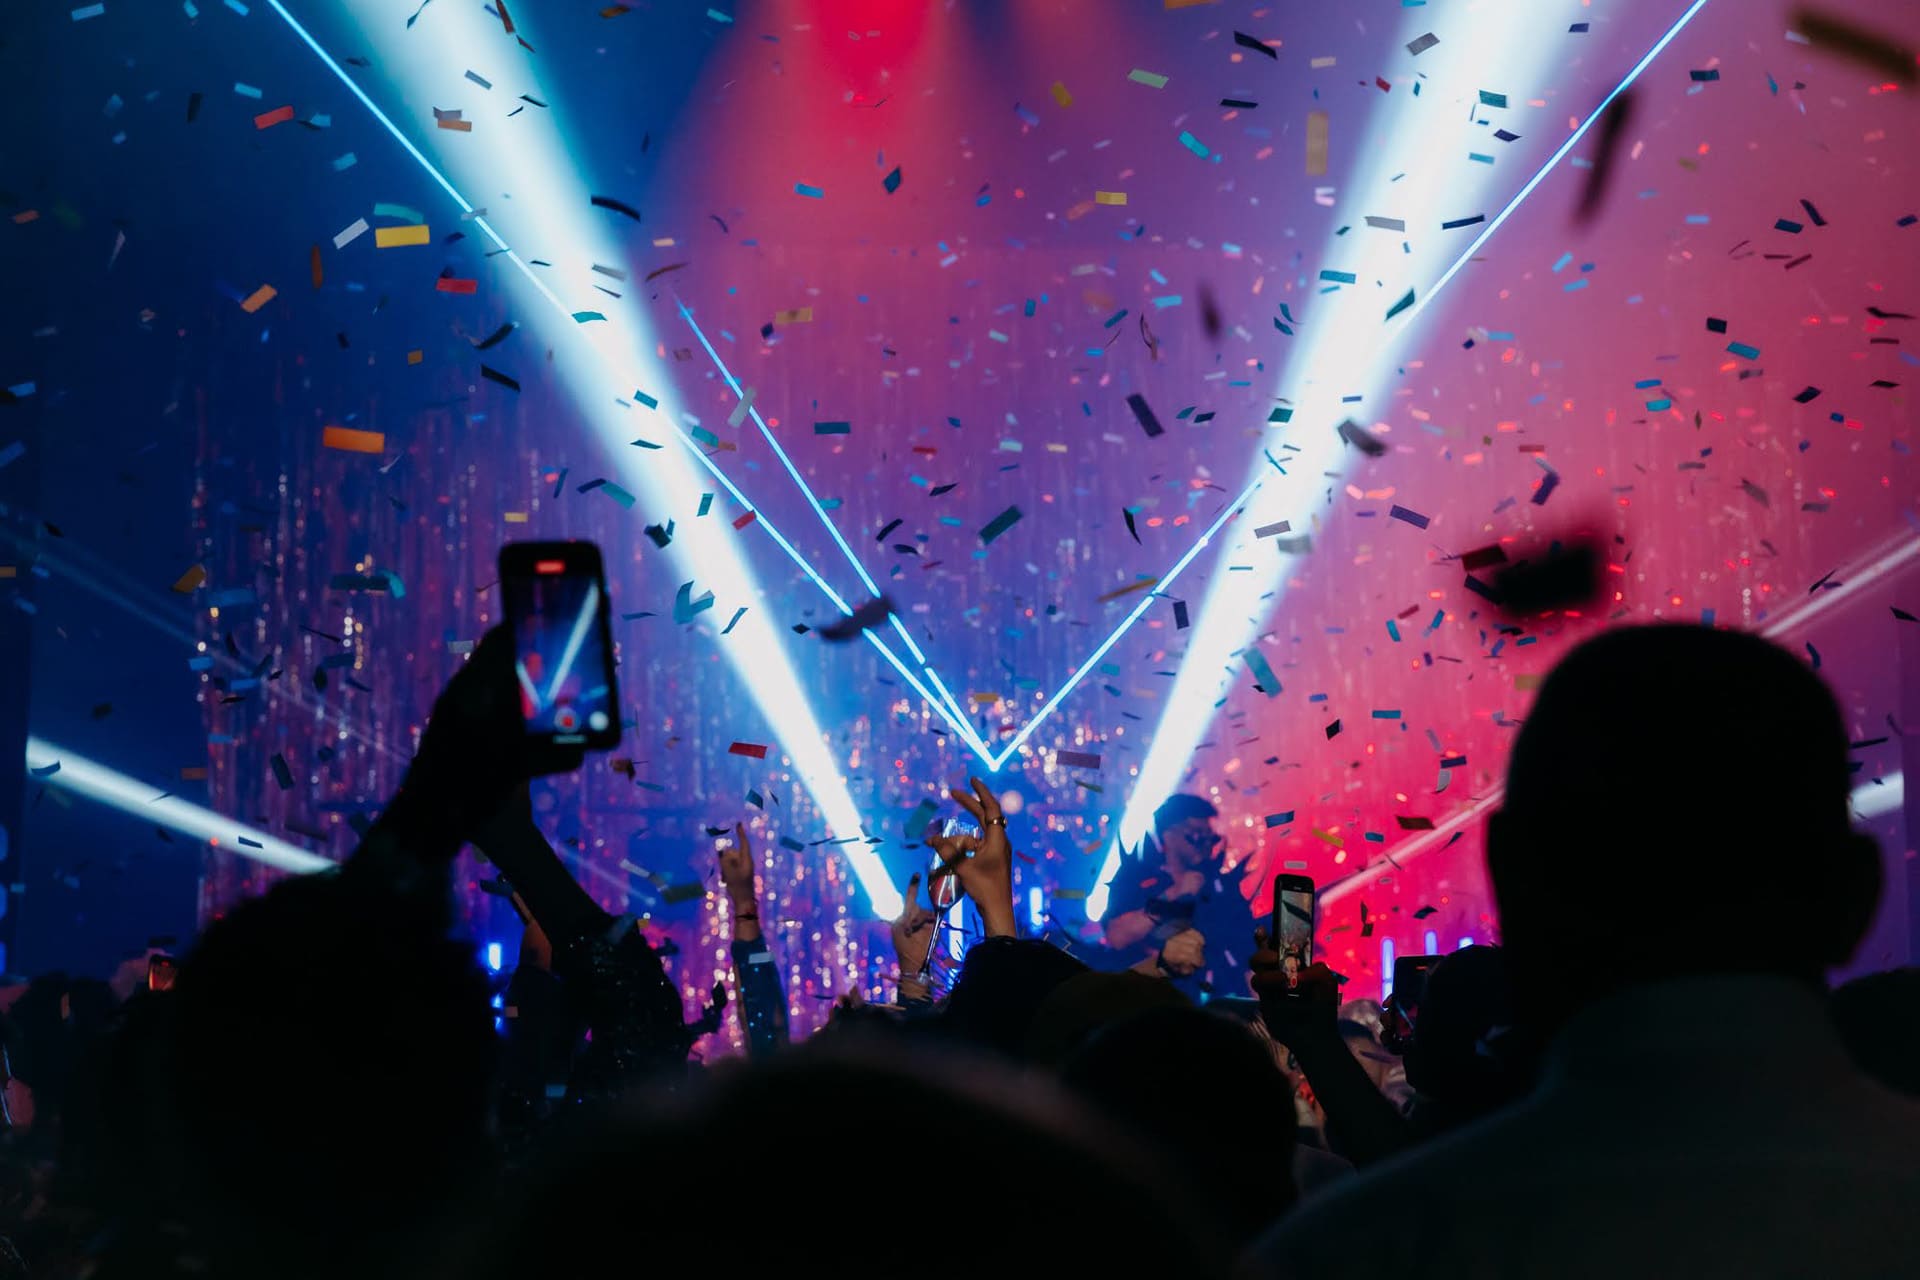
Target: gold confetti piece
x: 1188, y: 4
x: 1060, y: 94
x: 259, y: 298
x: 1129, y: 589
x: 9, y: 571
x: 319, y: 276
x: 1080, y: 210
x: 985, y: 699
x: 1527, y: 680
x: 1316, y: 144
x: 190, y: 580
x: 193, y: 773
x: 401, y: 237
x: 1109, y: 197
x: 514, y: 517
x: 458, y: 126
x: 1318, y: 63
x: 349, y: 440
x: 798, y: 315
x: 664, y: 242
x: 415, y: 357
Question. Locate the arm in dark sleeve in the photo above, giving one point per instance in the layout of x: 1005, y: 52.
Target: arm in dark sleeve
x: 553, y: 896
x: 1362, y: 1123
x: 763, y: 1002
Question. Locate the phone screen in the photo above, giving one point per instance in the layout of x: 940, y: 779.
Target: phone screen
x: 942, y: 884
x: 556, y: 600
x: 160, y: 972
x: 1293, y: 922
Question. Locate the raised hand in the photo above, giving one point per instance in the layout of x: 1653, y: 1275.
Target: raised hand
x: 736, y: 866
x: 983, y: 863
x: 736, y: 873
x: 913, y: 934
x: 1306, y: 1004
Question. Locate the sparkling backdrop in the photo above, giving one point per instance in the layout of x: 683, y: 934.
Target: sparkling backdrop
x: 1050, y: 248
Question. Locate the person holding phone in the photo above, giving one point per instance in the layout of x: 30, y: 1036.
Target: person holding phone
x: 1173, y: 910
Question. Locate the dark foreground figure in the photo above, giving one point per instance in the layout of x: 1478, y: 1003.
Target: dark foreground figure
x: 1623, y: 1088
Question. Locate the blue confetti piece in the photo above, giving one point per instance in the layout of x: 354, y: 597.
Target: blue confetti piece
x: 1257, y: 663
x: 245, y: 90
x: 1744, y: 350
x: 345, y: 162
x: 1279, y: 819
x: 1000, y: 524
x: 582, y: 317
x: 646, y: 399
x: 89, y: 11
x: 810, y: 192
x: 1338, y: 277
x: 1194, y: 144
x: 1411, y: 517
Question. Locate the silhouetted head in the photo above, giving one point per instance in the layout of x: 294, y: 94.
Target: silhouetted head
x: 1462, y: 1055
x: 1879, y: 1019
x: 1207, y: 1095
x: 1083, y: 1006
x: 1001, y: 986
x: 979, y: 1172
x: 334, y: 1051
x: 1671, y: 785
x: 1183, y: 824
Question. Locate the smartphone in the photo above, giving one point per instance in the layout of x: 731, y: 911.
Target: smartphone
x: 557, y: 606
x: 943, y: 886
x: 1293, y: 924
x: 160, y: 971
x: 1401, y: 1012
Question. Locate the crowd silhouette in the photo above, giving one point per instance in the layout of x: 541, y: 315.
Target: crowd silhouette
x: 1626, y: 1085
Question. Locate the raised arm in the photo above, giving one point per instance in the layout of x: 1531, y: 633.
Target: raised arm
x: 763, y: 1002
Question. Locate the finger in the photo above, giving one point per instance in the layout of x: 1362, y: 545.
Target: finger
x: 740, y: 835
x: 988, y: 801
x: 969, y: 802
x: 913, y: 896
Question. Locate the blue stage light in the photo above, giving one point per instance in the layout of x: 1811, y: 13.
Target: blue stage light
x: 1345, y: 352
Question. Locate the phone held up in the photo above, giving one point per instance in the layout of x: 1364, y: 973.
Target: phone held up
x: 1401, y: 1012
x: 160, y: 971
x: 557, y: 607
x: 1292, y: 929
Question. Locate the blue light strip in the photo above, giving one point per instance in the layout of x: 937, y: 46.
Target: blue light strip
x: 1126, y: 623
x: 1573, y: 140
x: 1097, y: 896
x: 946, y: 705
x: 766, y: 432
x: 958, y: 721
